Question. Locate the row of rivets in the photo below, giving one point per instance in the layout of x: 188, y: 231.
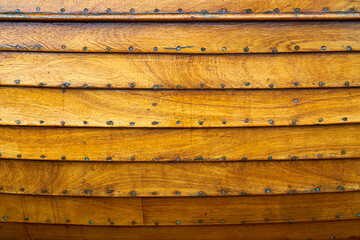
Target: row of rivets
x: 156, y: 10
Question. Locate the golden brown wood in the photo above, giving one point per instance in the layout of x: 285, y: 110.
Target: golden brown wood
x: 231, y: 108
x: 180, y: 71
x: 173, y: 6
x: 295, y: 231
x: 189, y: 179
x: 230, y: 144
x: 183, y: 211
x: 181, y: 37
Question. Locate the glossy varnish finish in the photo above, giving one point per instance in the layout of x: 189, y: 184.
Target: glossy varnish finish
x: 178, y: 145
x: 221, y: 108
x: 179, y: 211
x: 166, y: 71
x: 179, y: 179
x: 249, y: 37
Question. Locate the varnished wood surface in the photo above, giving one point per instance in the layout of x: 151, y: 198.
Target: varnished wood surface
x: 178, y: 179
x: 173, y: 6
x: 181, y: 37
x: 166, y: 71
x: 228, y: 144
x: 180, y: 17
x: 179, y: 211
x: 295, y: 231
x: 178, y: 109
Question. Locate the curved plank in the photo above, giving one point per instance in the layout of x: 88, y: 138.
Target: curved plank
x: 178, y: 109
x: 182, y: 179
x: 295, y: 231
x: 168, y: 71
x: 183, y: 211
x: 258, y: 37
x: 173, y: 6
x: 229, y: 144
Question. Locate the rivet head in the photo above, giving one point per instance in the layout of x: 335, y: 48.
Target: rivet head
x: 17, y: 121
x: 108, y: 85
x: 201, y: 122
x: 345, y: 119
x: 131, y: 49
x: 132, y: 193
x: 246, y: 49
x: 132, y: 85
x: 108, y: 10
x: 85, y: 48
x: 86, y: 159
x: 19, y: 155
x: 244, y: 159
x: 41, y: 121
x: 133, y: 222
x: 62, y: 10
x: 222, y: 85
x: 44, y: 191
x: 321, y: 84
x: 43, y: 156
x: 155, y: 159
x: 200, y: 221
x: 155, y: 123
x: 155, y: 49
x: 154, y: 193
x: 86, y: 10
x: 246, y: 120
x: 224, y: 49
x: 297, y: 10
x: 275, y: 50
x: 203, y: 49
x: 201, y: 85
x: 1, y: 187
x: 294, y: 122
x: 338, y: 216
x: 67, y: 220
x: 317, y: 189
x: 109, y: 191
x: 179, y: 86
x: 108, y: 48
x: 343, y: 152
x: 63, y: 158
x: 320, y: 120
x: 326, y: 9
x: 297, y: 48
x: 267, y: 220
x: 38, y: 9
x: 247, y: 84
x: 87, y: 191
x: 110, y: 123
x: 179, y: 10
x: 340, y: 187
x: 270, y: 158
x: 323, y: 48
x: 276, y: 10
x: 223, y: 158
x: 132, y: 158
x: 132, y: 124
x: 348, y: 48
x: 314, y: 218
x: 156, y: 10
x: 296, y: 100
x: 224, y: 122
x: 267, y: 191
x: 290, y: 220
x: 85, y: 122
x: 248, y: 11
x: 223, y: 192
x: 222, y: 221
x: 5, y: 218
x: 64, y: 192
x: 347, y: 84
x: 177, y: 222
x: 91, y: 222
x: 22, y: 189
x: 108, y: 159
x: 26, y: 218
x: 296, y: 84
x: 17, y: 81
x: 132, y: 10
x: 47, y: 220
x: 62, y: 123
x: 271, y: 85
x: 177, y: 193
x: 154, y: 104
x: 271, y: 121
x: 178, y: 122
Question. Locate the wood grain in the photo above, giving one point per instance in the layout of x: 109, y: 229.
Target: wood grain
x: 229, y: 144
x: 178, y: 109
x: 179, y: 211
x: 168, y: 71
x: 173, y: 6
x: 261, y: 37
x: 295, y: 231
x: 182, y: 179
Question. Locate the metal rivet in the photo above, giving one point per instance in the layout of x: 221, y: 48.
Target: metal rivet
x: 108, y: 48
x: 201, y: 122
x: 247, y: 84
x: 85, y: 122
x: 244, y: 159
x: 177, y: 159
x: 243, y: 193
x: 132, y: 124
x: 108, y: 85
x: 314, y: 218
x: 177, y: 193
x: 224, y: 48
x: 91, y: 222
x: 338, y: 216
x: 248, y: 11
x: 131, y: 48
x: 297, y: 48
x: 267, y: 220
x: 271, y: 85
x: 348, y: 48
x: 223, y: 192
x: 41, y: 121
x: 224, y: 122
x: 47, y: 220
x: 84, y: 48
x: 17, y: 47
x: 62, y: 123
x: 132, y: 158
x: 274, y: 50
x: 108, y: 159
x: 296, y: 84
x: 5, y: 218
x: 156, y: 10
x: 246, y: 120
x: 296, y: 100
x: 38, y: 9
x: 132, y: 85
x: 323, y: 48
x: 340, y: 187
x: 132, y: 10
x: 222, y: 221
x: 297, y: 10
x: 108, y: 10
x: 132, y: 193
x: 321, y: 84
x: 154, y: 193
x: 223, y: 86
x: 17, y: 121
x: 110, y: 123
x: 42, y: 156
x: 347, y: 84
x: 86, y: 159
x: 320, y: 120
x: 133, y: 222
x: 270, y: 158
x: 345, y: 119
x: 317, y: 189
x: 109, y: 191
x: 246, y: 49
x: 179, y: 10
x: 290, y: 220
x: 179, y: 86
x: 64, y: 192
x: 154, y: 104
x: 358, y: 214
x: 177, y: 222
x: 331, y: 237
x: 276, y: 10
x: 42, y: 84
x: 294, y: 122
x: 203, y: 49
x: 155, y: 159
x: 17, y: 10
x: 155, y: 123
x: 17, y: 81
x: 22, y: 189
x: 343, y: 152
x: 44, y: 191
x: 326, y: 9
x: 19, y: 155
x: 86, y: 10
x: 67, y: 220
x: 271, y: 121
x: 200, y: 221
x: 267, y: 191
x: 352, y: 10
x: 178, y: 48
x: 223, y: 158
x: 87, y: 191
x: 26, y: 218
x: 155, y: 49
x: 201, y: 85
x: 63, y: 158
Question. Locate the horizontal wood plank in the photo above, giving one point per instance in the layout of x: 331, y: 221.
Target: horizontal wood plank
x: 228, y: 144
x: 258, y: 37
x: 295, y: 231
x: 182, y: 179
x: 173, y: 6
x: 178, y: 109
x: 179, y: 211
x: 167, y: 71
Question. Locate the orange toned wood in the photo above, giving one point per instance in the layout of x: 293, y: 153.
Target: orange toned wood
x: 71, y: 210
x: 295, y: 231
x: 179, y: 211
x: 178, y: 109
x: 189, y: 179
x: 168, y: 71
x: 188, y: 17
x: 228, y: 144
x: 173, y: 6
x: 181, y: 37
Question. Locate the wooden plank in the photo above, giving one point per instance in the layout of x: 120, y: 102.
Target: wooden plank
x: 168, y: 71
x: 261, y: 37
x: 178, y: 109
x: 171, y: 179
x: 71, y: 210
x: 179, y: 211
x: 181, y: 17
x: 173, y: 6
x: 295, y: 231
x: 228, y: 144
